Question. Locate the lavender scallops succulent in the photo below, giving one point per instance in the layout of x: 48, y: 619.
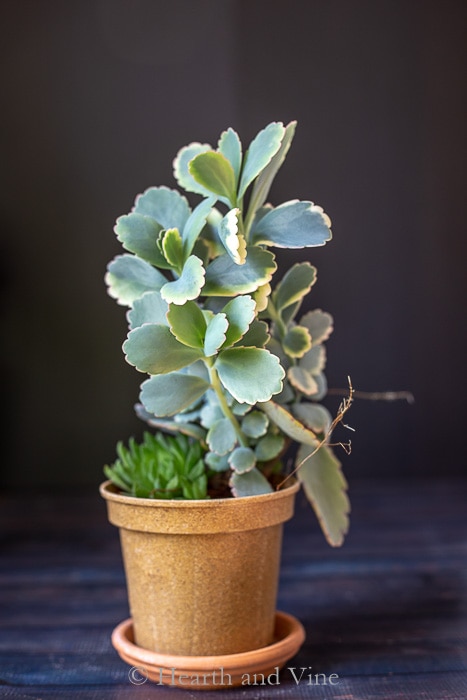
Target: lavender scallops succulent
x: 231, y: 362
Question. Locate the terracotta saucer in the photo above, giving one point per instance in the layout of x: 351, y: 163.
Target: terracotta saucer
x: 256, y: 667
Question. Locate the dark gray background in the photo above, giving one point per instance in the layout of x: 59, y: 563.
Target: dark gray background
x: 98, y: 96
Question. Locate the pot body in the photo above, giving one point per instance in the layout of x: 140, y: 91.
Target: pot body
x: 202, y: 576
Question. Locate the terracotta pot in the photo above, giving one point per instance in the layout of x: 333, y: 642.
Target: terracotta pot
x: 202, y: 576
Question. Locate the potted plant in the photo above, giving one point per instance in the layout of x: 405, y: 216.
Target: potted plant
x: 235, y: 376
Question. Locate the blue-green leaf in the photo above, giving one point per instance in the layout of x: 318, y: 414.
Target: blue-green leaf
x: 314, y: 361
x: 260, y: 152
x: 187, y: 324
x: 242, y: 460
x: 214, y: 172
x: 150, y: 308
x: 250, y: 374
x: 181, y: 172
x: 257, y: 335
x: 196, y: 223
x: 230, y: 147
x: 240, y: 312
x: 294, y: 285
x: 139, y: 235
x: 255, y: 424
x: 293, y: 224
x: 297, y: 341
x: 221, y: 437
x: 269, y: 447
x: 168, y: 207
x: 233, y: 241
x: 225, y: 278
x: 153, y: 349
x: 288, y: 424
x: 313, y: 415
x: 189, y: 284
x: 302, y: 380
x: 171, y: 426
x: 218, y: 463
x: 253, y: 483
x: 129, y: 277
x: 320, y: 325
x: 168, y: 394
x: 326, y: 489
x: 215, y: 334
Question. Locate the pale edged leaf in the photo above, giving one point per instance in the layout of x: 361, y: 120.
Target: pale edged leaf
x: 218, y: 463
x: 230, y: 146
x: 295, y: 284
x: 187, y: 324
x: 149, y: 308
x: 326, y: 489
x: 240, y: 409
x: 181, y: 171
x: 240, y: 313
x: 320, y: 325
x: 302, y: 380
x: 269, y: 447
x: 252, y: 483
x: 233, y: 241
x: 261, y: 297
x: 188, y: 286
x: 288, y: 424
x: 256, y: 336
x: 168, y: 207
x: 209, y: 235
x: 297, y: 341
x: 215, y: 173
x: 265, y: 179
x: 276, y: 348
x: 322, y: 385
x: 129, y: 277
x: 242, y: 460
x: 225, y: 278
x: 286, y: 396
x: 255, y: 424
x: 294, y: 224
x: 172, y: 247
x: 314, y: 361
x: 314, y: 416
x: 210, y: 414
x: 168, y: 394
x: 250, y: 374
x: 171, y: 426
x: 260, y: 152
x: 196, y: 223
x: 221, y: 437
x: 153, y: 349
x: 215, y: 334
x: 139, y: 234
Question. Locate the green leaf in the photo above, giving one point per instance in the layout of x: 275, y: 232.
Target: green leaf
x: 256, y: 336
x: 293, y: 224
x: 240, y: 312
x: 150, y: 308
x: 264, y: 181
x: 295, y: 284
x: 225, y: 278
x: 320, y: 325
x: 214, y: 172
x: 171, y: 426
x: 218, y: 463
x: 269, y: 447
x: 139, y: 235
x: 250, y: 374
x: 233, y: 241
x: 196, y: 223
x: 314, y: 361
x: 326, y: 489
x: 297, y: 341
x: 153, y: 349
x: 288, y: 424
x: 261, y: 297
x: 260, y: 152
x: 302, y: 380
x: 173, y: 248
x: 255, y: 424
x: 253, y: 483
x: 221, y: 437
x: 168, y: 394
x: 129, y: 277
x: 187, y: 324
x: 168, y: 207
x: 215, y: 334
x: 230, y: 147
x: 313, y: 415
x: 242, y: 460
x: 181, y: 172
x: 189, y: 284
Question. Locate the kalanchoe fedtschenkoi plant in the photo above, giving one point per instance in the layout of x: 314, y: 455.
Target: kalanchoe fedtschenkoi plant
x: 232, y: 364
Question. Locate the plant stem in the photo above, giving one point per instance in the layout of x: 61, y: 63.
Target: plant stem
x: 216, y: 385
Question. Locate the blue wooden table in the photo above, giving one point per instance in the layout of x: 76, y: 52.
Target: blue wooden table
x: 385, y: 616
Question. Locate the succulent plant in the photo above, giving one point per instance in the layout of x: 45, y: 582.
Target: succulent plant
x: 231, y: 363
